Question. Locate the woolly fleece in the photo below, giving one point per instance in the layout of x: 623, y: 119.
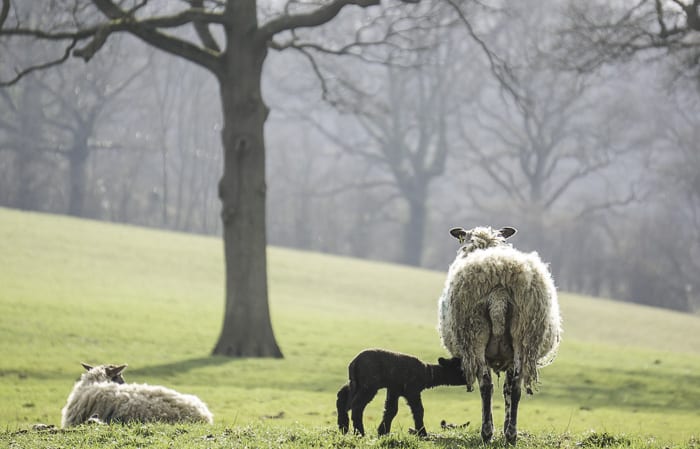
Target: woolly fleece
x: 487, y: 278
x: 94, y: 394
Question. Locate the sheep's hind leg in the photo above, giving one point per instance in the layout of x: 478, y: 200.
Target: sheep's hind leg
x: 416, y: 404
x: 511, y: 393
x: 486, y: 390
x: 359, y: 402
x: 391, y: 408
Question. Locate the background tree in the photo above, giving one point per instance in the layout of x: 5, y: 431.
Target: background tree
x: 403, y: 121
x: 514, y: 103
x: 234, y: 54
x: 23, y: 146
x: 598, y: 33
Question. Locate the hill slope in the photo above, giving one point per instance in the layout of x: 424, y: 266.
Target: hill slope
x: 76, y: 290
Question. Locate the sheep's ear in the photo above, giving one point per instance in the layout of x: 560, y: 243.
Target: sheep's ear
x: 460, y: 234
x: 116, y: 370
x: 86, y: 366
x: 507, y: 232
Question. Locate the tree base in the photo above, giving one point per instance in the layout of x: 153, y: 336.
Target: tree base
x: 248, y: 350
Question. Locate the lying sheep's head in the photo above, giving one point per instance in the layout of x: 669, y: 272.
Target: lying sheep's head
x: 481, y: 237
x: 103, y: 373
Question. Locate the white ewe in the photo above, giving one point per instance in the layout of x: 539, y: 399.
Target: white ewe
x: 101, y: 393
x: 499, y: 311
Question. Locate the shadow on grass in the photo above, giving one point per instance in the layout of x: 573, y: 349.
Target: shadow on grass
x: 166, y: 369
x: 181, y: 366
x: 628, y: 389
x: 26, y: 374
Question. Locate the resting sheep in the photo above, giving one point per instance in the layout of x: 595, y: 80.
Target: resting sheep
x: 499, y: 311
x: 401, y: 375
x: 101, y: 394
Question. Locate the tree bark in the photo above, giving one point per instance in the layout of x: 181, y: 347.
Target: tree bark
x: 77, y: 166
x: 247, y: 329
x: 414, y: 229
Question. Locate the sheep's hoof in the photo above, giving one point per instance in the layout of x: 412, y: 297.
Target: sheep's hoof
x: 486, y: 433
x: 511, y: 437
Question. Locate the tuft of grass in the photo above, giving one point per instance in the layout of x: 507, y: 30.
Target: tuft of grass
x: 76, y: 290
x: 604, y: 439
x: 295, y: 436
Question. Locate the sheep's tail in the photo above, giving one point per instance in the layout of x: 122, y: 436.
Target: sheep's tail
x: 498, y: 308
x: 343, y: 404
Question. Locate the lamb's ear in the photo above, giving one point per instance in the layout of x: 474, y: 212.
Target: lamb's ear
x: 86, y: 366
x: 507, y: 232
x: 460, y: 234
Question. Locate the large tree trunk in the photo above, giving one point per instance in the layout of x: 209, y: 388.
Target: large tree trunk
x: 26, y: 196
x: 414, y: 229
x: 77, y: 166
x: 247, y: 330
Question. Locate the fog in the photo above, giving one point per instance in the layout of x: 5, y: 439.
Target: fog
x: 376, y: 151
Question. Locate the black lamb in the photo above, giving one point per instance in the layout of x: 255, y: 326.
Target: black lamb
x: 401, y: 375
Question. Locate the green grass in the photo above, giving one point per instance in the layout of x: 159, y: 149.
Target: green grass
x: 76, y: 290
x: 296, y: 436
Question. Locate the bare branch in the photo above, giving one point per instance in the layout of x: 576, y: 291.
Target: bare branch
x: 98, y: 40
x: 599, y: 34
x: 194, y: 15
x: 123, y: 21
x: 4, y: 12
x: 137, y: 7
x: 315, y: 18
x: 606, y: 205
x: 317, y: 72
x: 202, y: 29
x: 660, y: 17
x: 499, y: 67
x: 145, y: 30
x: 581, y: 173
x: 49, y: 36
x: 46, y: 65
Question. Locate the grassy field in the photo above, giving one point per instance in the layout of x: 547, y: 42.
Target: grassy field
x: 75, y: 290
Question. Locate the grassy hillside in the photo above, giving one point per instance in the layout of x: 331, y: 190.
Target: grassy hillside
x: 75, y: 290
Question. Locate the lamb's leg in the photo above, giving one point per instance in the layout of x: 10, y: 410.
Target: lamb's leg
x: 342, y: 404
x: 359, y: 402
x: 511, y: 393
x: 486, y: 390
x: 416, y: 404
x: 391, y: 407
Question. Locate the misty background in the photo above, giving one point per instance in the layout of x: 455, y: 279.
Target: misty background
x: 377, y: 151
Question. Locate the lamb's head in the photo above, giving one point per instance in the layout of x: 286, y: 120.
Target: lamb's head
x: 481, y: 237
x: 103, y: 373
x: 452, y: 373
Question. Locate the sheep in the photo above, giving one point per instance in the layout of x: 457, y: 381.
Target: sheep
x: 499, y: 311
x: 102, y: 395
x: 401, y: 375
